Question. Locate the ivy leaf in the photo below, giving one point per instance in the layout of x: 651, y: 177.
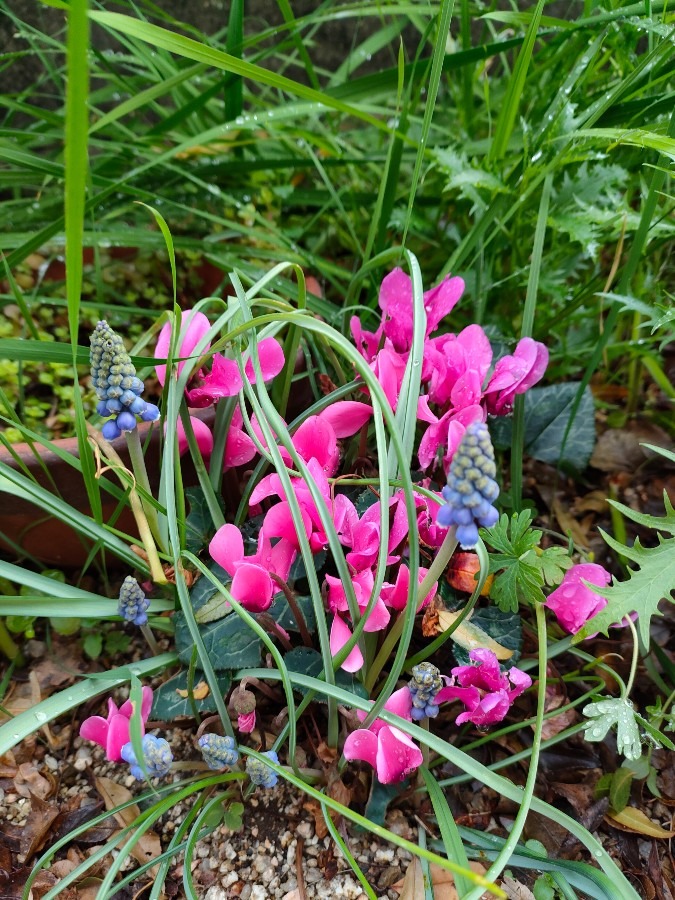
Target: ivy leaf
x: 199, y: 526
x: 610, y: 713
x: 503, y: 627
x: 547, y: 415
x: 646, y: 586
x: 168, y: 704
x: 307, y: 661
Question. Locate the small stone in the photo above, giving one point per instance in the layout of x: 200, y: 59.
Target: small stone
x: 305, y: 830
x: 230, y: 879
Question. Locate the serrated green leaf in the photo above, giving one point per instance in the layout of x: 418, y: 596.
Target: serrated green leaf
x: 640, y: 593
x: 512, y: 535
x: 517, y: 581
x: 503, y: 627
x: 554, y: 562
x: 167, y: 703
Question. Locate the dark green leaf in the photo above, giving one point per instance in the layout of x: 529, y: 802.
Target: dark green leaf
x: 284, y: 616
x: 198, y: 524
x: 307, y: 661
x: 381, y: 795
x: 168, y: 705
x: 504, y: 627
x: 619, y: 788
x: 547, y: 414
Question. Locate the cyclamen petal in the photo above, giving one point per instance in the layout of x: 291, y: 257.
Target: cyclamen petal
x: 339, y: 635
x: 573, y: 602
x: 194, y: 326
x: 271, y: 356
x: 252, y: 587
x: 227, y: 547
x: 202, y: 434
x: 346, y: 417
x: 397, y: 755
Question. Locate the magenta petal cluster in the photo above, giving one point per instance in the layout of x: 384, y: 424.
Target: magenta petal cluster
x: 251, y: 583
x: 572, y: 601
x: 386, y: 748
x: 486, y: 692
x: 458, y: 388
x: 112, y: 733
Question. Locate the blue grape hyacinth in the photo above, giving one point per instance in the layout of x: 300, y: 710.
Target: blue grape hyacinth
x: 261, y: 774
x: 133, y: 604
x: 157, y: 756
x: 424, y: 686
x: 471, y: 488
x: 218, y: 751
x: 117, y: 387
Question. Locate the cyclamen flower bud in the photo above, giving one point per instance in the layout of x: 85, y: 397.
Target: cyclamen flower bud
x: 261, y: 774
x: 471, y: 487
x: 157, y: 756
x: 424, y: 686
x: 117, y: 387
x: 133, y: 604
x: 218, y: 751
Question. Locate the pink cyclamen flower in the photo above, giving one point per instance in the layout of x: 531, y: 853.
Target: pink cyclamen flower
x: 572, y: 601
x: 194, y: 326
x: 224, y: 379
x: 514, y: 375
x: 246, y: 723
x: 484, y: 689
x: 251, y: 583
x: 386, y: 748
x: 113, y: 732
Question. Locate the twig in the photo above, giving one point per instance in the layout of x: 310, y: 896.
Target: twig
x: 299, y: 874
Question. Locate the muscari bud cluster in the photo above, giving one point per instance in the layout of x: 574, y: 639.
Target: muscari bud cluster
x: 218, y: 751
x: 133, y: 604
x: 423, y: 686
x: 157, y: 757
x: 117, y: 387
x: 471, y: 487
x: 260, y: 773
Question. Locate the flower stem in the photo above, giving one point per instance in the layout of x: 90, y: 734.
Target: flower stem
x: 509, y: 847
x: 141, y: 476
x: 634, y: 662
x: 150, y: 638
x: 8, y: 645
x: 436, y: 569
x: 156, y: 570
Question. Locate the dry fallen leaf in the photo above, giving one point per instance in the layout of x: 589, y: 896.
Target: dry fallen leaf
x: 29, y: 780
x: 632, y: 819
x: 37, y: 828
x: 470, y: 636
x: 515, y: 890
x: 200, y: 692
x: 113, y: 794
x: 443, y: 881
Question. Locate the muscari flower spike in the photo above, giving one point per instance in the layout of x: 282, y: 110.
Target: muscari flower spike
x: 157, y: 756
x: 260, y: 773
x: 117, y: 387
x: 423, y: 686
x: 133, y: 604
x: 471, y: 487
x: 218, y: 751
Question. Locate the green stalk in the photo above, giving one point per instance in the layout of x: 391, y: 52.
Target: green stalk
x: 156, y: 570
x: 8, y: 646
x: 436, y: 569
x: 141, y: 475
x: 511, y: 843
